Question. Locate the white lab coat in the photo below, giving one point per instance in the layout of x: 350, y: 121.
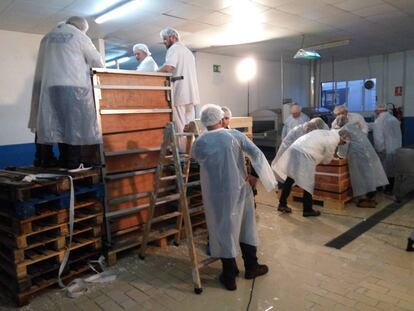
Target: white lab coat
x: 148, y: 64
x: 291, y: 122
x: 290, y: 138
x: 365, y: 168
x: 387, y: 139
x: 227, y: 197
x: 300, y: 159
x: 355, y: 118
x: 63, y: 110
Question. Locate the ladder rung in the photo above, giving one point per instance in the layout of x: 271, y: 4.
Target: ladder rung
x: 171, y: 177
x: 206, y: 262
x: 193, y: 183
x: 182, y: 156
x: 126, y: 211
x: 184, y: 134
x: 165, y: 217
x: 130, y: 151
x: 196, y: 210
x: 168, y: 198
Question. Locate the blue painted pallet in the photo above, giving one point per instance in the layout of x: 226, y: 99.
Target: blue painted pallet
x: 31, y: 207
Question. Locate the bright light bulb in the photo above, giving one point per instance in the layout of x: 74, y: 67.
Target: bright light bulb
x: 246, y: 69
x: 117, y: 12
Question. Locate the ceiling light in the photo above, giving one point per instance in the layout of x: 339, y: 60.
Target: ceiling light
x: 246, y: 70
x: 306, y: 54
x: 118, y: 11
x: 328, y: 45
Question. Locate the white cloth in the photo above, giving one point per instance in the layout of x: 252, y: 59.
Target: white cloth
x: 291, y: 122
x: 182, y: 59
x: 355, y: 118
x: 148, y: 64
x: 227, y: 197
x: 300, y: 159
x: 365, y: 168
x: 387, y: 139
x: 63, y: 110
x: 182, y: 115
x: 290, y: 138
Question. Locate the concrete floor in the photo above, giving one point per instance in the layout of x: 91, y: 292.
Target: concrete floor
x: 372, y: 273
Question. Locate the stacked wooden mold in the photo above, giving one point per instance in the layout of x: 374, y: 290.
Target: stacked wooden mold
x: 34, y: 229
x: 133, y: 110
x: 332, y: 185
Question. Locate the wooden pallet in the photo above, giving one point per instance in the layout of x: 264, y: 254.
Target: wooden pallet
x: 12, y: 188
x: 297, y: 196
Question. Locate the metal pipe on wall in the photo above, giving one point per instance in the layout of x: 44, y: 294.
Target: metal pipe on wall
x: 312, y: 81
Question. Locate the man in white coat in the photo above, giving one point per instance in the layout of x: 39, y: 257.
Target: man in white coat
x: 298, y: 165
x: 143, y: 56
x: 227, y: 196
x: 180, y: 61
x: 296, y: 118
x: 63, y: 109
x: 353, y: 118
x: 387, y: 139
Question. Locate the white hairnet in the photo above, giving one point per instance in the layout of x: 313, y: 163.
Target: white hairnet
x: 227, y: 112
x: 295, y: 108
x: 341, y: 120
x: 169, y: 32
x: 143, y: 47
x: 315, y: 124
x: 78, y: 22
x: 382, y: 107
x: 211, y: 115
x: 339, y: 109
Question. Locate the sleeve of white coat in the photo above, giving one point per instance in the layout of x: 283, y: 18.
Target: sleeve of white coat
x: 343, y: 151
x: 92, y: 57
x: 171, y: 59
x: 259, y: 162
x: 329, y: 153
x: 333, y: 125
x: 379, y: 141
x: 284, y: 131
x: 363, y: 125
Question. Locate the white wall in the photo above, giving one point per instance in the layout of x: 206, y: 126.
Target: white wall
x: 18, y: 52
x: 387, y: 69
x: 224, y: 88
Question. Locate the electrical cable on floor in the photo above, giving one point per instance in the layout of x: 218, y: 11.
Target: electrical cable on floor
x: 251, y: 295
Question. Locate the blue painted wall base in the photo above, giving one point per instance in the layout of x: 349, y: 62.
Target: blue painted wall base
x: 408, y: 131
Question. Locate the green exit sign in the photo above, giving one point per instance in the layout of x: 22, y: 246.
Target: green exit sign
x: 216, y: 68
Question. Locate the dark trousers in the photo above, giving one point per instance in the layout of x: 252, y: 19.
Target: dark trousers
x: 287, y: 187
x: 390, y: 186
x: 230, y: 269
x: 44, y: 156
x: 371, y: 195
x: 70, y: 155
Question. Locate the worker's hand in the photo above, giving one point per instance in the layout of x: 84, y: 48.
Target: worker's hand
x: 251, y: 180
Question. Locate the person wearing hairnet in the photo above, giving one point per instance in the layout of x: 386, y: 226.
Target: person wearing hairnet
x: 294, y: 134
x: 298, y: 165
x: 227, y: 197
x: 227, y: 116
x: 180, y: 61
x: 63, y: 109
x: 296, y: 117
x: 387, y: 139
x: 353, y: 118
x: 365, y: 168
x: 143, y: 56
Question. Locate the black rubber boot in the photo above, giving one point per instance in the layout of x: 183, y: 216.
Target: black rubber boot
x: 410, y: 245
x: 228, y: 276
x: 252, y: 268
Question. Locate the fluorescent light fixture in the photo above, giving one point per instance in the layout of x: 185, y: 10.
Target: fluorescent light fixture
x: 306, y: 54
x: 110, y: 63
x: 118, y: 11
x: 328, y: 45
x: 123, y: 59
x: 246, y: 69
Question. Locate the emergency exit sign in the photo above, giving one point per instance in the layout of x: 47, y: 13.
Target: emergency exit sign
x: 217, y: 68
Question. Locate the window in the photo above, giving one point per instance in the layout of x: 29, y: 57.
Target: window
x: 352, y: 93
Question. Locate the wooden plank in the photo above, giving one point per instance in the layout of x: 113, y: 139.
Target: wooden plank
x: 332, y: 169
x: 123, y: 99
x: 133, y: 122
x: 133, y: 140
x: 134, y: 80
x: 319, y: 179
x: 130, y: 185
x: 242, y: 122
x: 128, y: 221
x: 341, y: 186
x: 132, y: 162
